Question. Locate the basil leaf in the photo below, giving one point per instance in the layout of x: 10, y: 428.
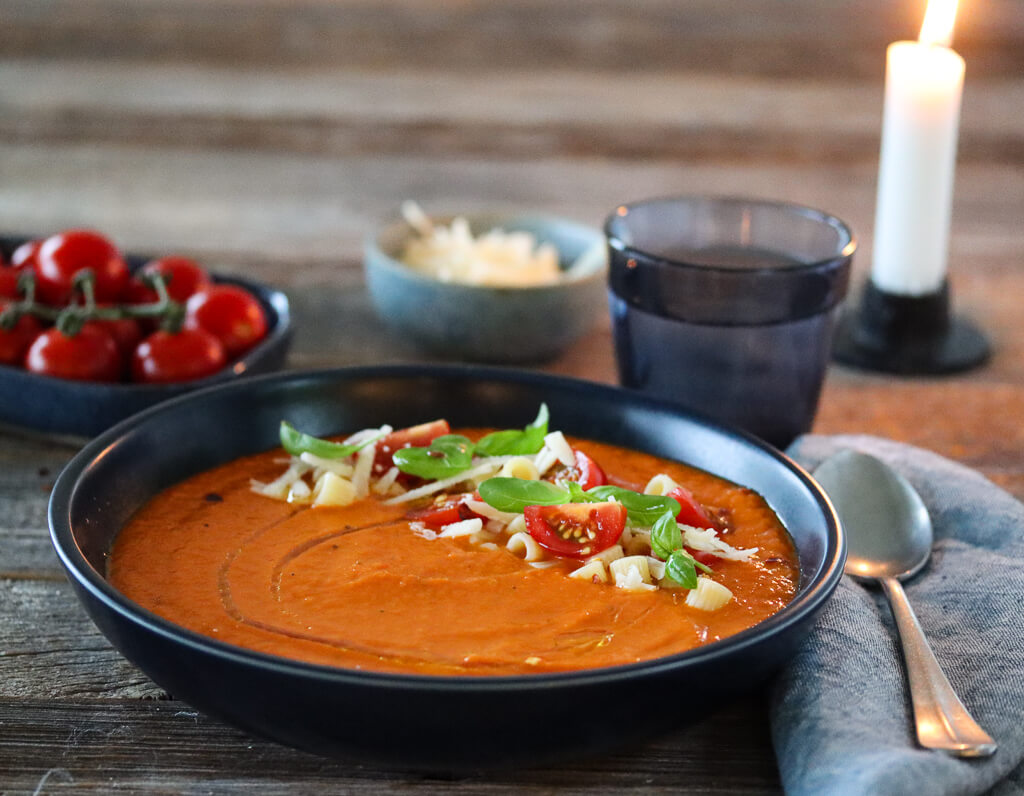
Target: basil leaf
x: 665, y: 536
x: 577, y: 495
x: 680, y: 568
x: 297, y: 443
x: 642, y: 509
x: 516, y: 443
x: 446, y: 456
x: 515, y: 494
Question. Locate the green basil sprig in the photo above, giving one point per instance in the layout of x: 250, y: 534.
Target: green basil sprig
x: 515, y: 494
x: 667, y: 544
x: 297, y: 442
x: 682, y: 568
x: 643, y: 510
x: 516, y: 443
x: 447, y: 455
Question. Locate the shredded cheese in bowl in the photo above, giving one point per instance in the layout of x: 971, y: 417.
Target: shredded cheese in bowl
x: 496, y: 258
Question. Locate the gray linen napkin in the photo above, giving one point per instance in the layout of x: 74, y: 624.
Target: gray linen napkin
x: 841, y: 716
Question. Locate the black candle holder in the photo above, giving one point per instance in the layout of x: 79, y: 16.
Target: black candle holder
x: 908, y: 335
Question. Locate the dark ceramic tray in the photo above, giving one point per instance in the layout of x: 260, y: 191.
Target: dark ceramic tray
x: 420, y: 722
x: 79, y: 409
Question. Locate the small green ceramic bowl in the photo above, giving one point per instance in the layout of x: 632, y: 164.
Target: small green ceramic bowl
x: 493, y: 324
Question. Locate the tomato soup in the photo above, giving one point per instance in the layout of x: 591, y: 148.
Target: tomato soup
x: 359, y: 587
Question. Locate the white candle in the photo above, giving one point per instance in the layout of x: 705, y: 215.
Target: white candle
x: 923, y: 84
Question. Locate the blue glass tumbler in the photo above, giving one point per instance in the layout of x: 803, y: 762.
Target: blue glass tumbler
x: 727, y: 306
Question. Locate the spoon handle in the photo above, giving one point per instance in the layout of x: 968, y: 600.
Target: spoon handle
x: 942, y: 720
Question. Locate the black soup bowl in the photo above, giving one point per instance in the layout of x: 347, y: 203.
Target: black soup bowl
x: 427, y: 722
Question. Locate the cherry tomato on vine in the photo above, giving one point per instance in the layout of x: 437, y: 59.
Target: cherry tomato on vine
x: 15, y: 341
x: 9, y: 282
x: 25, y: 255
x: 586, y: 472
x: 63, y: 255
x: 187, y: 355
x: 184, y: 278
x: 90, y: 355
x: 691, y: 513
x: 231, y: 314
x: 413, y: 437
x: 126, y: 333
x: 576, y: 530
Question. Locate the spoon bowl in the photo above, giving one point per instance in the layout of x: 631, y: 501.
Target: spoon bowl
x: 873, y: 500
x: 889, y: 537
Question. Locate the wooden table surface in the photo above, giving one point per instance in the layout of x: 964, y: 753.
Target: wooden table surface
x: 268, y: 136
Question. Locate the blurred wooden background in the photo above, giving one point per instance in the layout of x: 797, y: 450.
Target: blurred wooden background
x: 270, y: 136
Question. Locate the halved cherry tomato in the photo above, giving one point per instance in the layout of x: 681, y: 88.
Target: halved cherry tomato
x: 586, y: 472
x: 185, y: 277
x: 14, y: 342
x: 231, y: 314
x: 25, y: 255
x: 576, y: 530
x: 443, y: 511
x: 692, y: 513
x: 63, y: 255
x: 183, y: 356
x: 90, y: 355
x: 413, y: 437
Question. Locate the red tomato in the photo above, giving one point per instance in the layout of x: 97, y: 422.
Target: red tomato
x: 190, y: 354
x: 9, y: 282
x: 413, y: 437
x: 691, y: 513
x: 443, y: 512
x: 576, y: 530
x: 586, y: 472
x: 229, y: 313
x: 61, y: 256
x: 90, y: 355
x: 14, y: 342
x: 184, y: 278
x: 707, y: 559
x: 126, y: 333
x: 25, y: 255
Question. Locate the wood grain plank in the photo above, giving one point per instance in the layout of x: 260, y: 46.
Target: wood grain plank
x: 296, y: 219
x: 169, y: 747
x: 677, y: 115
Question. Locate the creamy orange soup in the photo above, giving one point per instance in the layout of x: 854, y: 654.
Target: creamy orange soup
x: 356, y: 587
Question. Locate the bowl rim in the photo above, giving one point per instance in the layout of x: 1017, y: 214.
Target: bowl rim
x: 375, y: 255
x: 809, y: 599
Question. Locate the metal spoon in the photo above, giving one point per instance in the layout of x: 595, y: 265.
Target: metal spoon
x: 889, y: 536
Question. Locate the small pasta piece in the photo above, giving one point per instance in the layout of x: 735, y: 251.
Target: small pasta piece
x: 558, y: 445
x: 462, y: 528
x: 632, y: 573
x: 661, y: 484
x: 709, y: 595
x: 525, y: 546
x: 607, y: 556
x: 593, y: 570
x: 520, y: 467
x: 639, y: 544
x: 517, y: 525
x: 656, y: 567
x: 544, y: 564
x: 489, y: 546
x: 544, y: 460
x: 333, y: 490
